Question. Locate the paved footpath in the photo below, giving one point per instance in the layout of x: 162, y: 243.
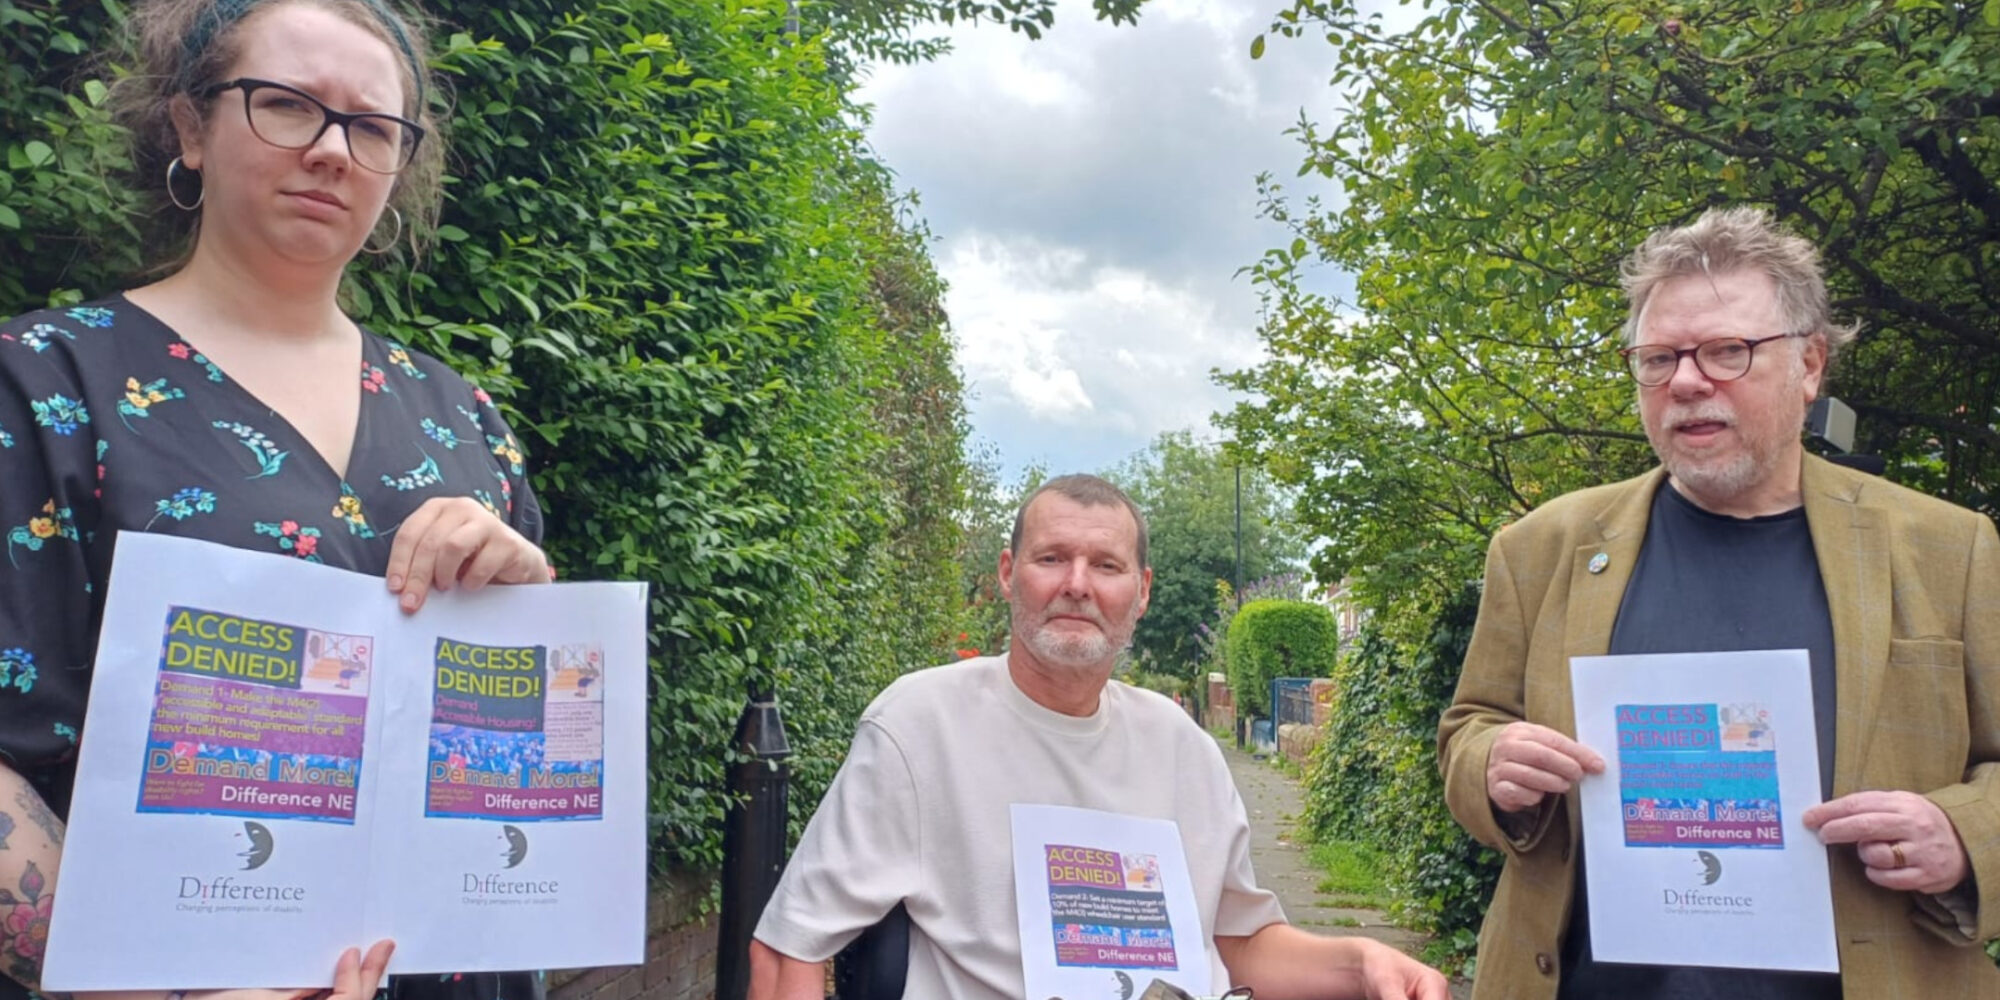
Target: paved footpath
x: 1274, y: 800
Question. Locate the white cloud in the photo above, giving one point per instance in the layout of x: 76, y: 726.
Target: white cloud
x: 1219, y: 16
x: 1034, y: 80
x: 1073, y: 345
x: 1093, y: 194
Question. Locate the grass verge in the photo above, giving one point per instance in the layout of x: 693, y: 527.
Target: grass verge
x: 1353, y: 873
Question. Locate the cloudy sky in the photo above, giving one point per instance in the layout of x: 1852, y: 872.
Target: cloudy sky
x: 1093, y: 194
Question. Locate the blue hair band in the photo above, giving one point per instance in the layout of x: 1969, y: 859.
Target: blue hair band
x: 224, y: 14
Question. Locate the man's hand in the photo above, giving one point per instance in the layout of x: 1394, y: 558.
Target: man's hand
x: 1282, y: 962
x: 1528, y: 763
x: 1388, y: 974
x: 1904, y: 839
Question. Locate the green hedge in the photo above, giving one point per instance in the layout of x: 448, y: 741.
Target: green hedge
x: 62, y: 228
x: 1374, y: 779
x: 668, y: 256
x: 1275, y: 638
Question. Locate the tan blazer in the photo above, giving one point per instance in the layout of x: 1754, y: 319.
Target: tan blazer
x: 1913, y: 584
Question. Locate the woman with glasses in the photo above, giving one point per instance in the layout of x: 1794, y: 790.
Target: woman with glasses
x: 231, y: 399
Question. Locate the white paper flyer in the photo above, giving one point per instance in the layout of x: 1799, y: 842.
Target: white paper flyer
x: 1692, y: 840
x: 1105, y: 902
x: 278, y: 764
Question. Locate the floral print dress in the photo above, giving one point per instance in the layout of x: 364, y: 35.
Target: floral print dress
x: 110, y: 421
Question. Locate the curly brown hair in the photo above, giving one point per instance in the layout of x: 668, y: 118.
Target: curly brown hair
x: 174, y: 49
x: 1743, y: 238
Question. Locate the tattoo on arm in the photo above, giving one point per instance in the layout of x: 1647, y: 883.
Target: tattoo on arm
x: 6, y: 828
x: 39, y: 814
x: 24, y: 927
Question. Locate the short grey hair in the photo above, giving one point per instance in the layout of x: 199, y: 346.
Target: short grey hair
x: 1088, y: 490
x: 1743, y: 238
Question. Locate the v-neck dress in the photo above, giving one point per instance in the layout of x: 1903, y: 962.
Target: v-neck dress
x: 110, y: 421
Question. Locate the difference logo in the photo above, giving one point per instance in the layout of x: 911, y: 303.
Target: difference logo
x: 261, y: 844
x: 1710, y: 865
x: 517, y: 845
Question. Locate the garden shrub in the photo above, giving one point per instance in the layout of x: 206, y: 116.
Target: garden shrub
x: 1374, y: 779
x: 1277, y: 638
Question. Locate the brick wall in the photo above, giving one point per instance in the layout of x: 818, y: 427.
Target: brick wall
x: 1324, y: 696
x: 1221, y: 706
x: 680, y: 952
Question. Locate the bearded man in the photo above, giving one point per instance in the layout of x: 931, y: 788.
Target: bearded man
x: 1741, y: 541
x: 920, y: 811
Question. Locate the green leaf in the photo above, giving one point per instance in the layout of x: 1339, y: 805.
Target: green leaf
x: 95, y: 92
x: 38, y: 153
x: 8, y: 218
x: 527, y: 302
x: 1257, y: 47
x: 451, y: 234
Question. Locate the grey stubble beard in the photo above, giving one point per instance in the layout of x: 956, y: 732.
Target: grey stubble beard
x: 1080, y: 653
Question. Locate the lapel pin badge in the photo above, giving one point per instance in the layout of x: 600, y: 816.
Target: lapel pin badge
x: 1598, y: 562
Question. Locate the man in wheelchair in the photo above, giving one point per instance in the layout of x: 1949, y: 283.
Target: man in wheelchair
x: 923, y: 814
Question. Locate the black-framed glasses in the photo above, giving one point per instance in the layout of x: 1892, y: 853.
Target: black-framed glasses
x: 290, y: 118
x: 1724, y: 359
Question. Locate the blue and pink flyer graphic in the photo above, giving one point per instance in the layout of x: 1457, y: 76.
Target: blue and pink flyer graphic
x: 1109, y: 909
x: 1699, y: 775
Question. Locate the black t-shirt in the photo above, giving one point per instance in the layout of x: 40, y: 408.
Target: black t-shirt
x: 1709, y: 583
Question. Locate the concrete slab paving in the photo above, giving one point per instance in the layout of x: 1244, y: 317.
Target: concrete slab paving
x: 1274, y: 800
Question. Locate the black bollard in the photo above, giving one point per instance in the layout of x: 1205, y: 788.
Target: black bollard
x: 753, y: 838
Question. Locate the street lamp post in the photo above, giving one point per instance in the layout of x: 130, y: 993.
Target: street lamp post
x: 1239, y: 570
x: 1239, y: 532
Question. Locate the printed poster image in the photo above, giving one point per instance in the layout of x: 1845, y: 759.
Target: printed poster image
x: 253, y: 775
x: 255, y: 718
x: 1105, y: 904
x: 1699, y: 776
x: 517, y: 732
x: 1109, y: 909
x: 1695, y: 853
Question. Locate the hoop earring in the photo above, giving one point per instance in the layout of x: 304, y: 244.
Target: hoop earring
x: 391, y: 245
x: 178, y: 166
